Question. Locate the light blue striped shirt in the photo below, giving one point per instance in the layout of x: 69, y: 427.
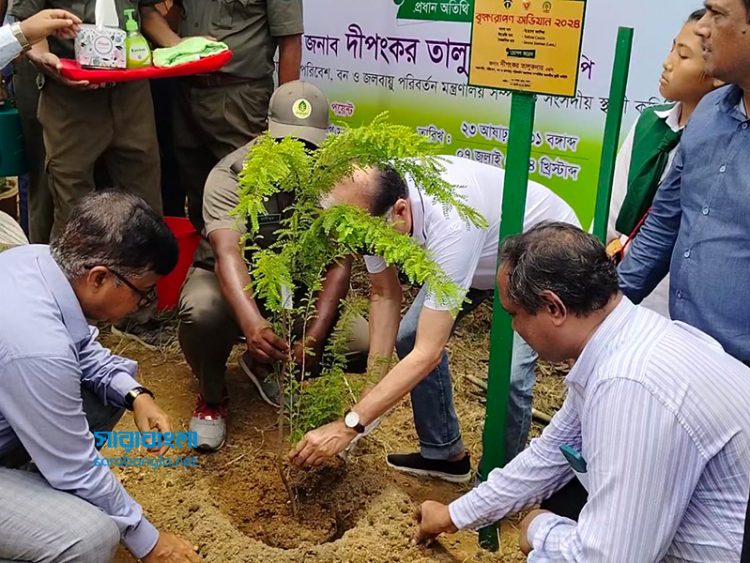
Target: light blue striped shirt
x: 10, y: 48
x: 660, y: 413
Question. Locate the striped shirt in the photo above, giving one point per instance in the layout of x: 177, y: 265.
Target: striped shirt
x: 659, y: 412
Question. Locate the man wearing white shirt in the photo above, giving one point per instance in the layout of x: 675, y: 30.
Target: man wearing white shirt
x: 649, y: 425
x: 18, y: 37
x: 468, y: 256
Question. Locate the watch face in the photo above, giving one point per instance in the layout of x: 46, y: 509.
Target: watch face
x: 351, y: 419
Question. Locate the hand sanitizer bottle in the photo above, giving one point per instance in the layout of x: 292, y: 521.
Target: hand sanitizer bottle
x: 137, y: 51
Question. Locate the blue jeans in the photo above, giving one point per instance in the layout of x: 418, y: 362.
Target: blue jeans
x: 432, y: 399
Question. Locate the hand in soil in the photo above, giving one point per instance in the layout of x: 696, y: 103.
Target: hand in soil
x: 264, y: 345
x: 172, y: 549
x: 433, y: 519
x: 321, y: 444
x: 523, y: 532
x: 149, y: 417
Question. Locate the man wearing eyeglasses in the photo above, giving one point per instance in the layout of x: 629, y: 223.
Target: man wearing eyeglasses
x: 58, y: 385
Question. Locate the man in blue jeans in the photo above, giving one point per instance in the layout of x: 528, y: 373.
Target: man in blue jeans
x: 468, y: 256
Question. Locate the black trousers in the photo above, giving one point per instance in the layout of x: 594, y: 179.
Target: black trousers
x: 568, y: 501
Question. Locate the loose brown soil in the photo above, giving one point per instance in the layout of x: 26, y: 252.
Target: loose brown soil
x: 234, y: 507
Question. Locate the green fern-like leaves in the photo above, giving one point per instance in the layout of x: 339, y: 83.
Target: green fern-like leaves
x: 311, y: 238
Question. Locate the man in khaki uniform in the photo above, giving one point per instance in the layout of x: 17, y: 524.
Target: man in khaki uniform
x: 216, y: 309
x: 218, y: 113
x: 82, y: 122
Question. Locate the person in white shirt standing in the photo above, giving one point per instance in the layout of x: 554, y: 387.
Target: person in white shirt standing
x: 654, y: 426
x: 468, y: 256
x: 646, y: 154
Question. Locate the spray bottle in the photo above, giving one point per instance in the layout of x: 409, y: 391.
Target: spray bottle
x: 137, y: 51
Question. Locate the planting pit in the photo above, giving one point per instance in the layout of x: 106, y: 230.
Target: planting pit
x: 234, y: 507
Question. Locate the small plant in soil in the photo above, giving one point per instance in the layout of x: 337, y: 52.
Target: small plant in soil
x: 288, y: 274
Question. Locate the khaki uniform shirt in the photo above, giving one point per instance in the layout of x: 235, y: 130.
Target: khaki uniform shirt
x: 84, y: 9
x: 221, y: 197
x: 248, y: 27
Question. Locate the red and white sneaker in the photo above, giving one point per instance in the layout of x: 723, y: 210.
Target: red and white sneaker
x: 209, y: 422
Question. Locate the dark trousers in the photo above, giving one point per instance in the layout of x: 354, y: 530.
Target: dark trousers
x: 568, y: 501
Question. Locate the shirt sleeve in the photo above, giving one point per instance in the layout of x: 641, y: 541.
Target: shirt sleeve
x: 634, y: 448
x: 620, y: 184
x: 109, y: 376
x: 222, y: 196
x: 40, y: 397
x: 531, y: 477
x: 22, y: 9
x: 10, y: 48
x: 375, y: 264
x: 647, y: 260
x: 285, y: 17
x: 457, y: 250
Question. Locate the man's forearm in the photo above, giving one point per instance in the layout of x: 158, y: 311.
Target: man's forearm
x: 290, y: 57
x: 335, y: 288
x: 157, y: 29
x: 404, y: 376
x: 385, y: 318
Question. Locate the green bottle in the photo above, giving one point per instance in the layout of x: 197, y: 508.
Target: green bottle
x: 137, y: 51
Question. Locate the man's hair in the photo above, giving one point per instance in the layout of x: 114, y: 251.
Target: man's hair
x: 564, y: 260
x: 117, y: 230
x: 698, y: 14
x: 389, y: 187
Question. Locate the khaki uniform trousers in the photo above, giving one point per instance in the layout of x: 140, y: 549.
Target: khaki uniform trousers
x: 211, y: 122
x: 208, y: 332
x: 116, y: 124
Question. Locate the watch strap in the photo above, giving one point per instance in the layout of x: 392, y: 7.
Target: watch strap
x: 17, y: 32
x: 358, y: 428
x: 133, y: 394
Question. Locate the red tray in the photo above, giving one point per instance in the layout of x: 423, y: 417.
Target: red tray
x: 73, y: 71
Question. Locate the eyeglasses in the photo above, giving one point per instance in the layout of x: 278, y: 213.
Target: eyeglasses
x: 147, y: 297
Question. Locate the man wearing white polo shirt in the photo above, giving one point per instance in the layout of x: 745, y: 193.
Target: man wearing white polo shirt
x: 468, y: 255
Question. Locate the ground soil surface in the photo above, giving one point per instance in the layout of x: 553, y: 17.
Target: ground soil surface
x: 234, y: 507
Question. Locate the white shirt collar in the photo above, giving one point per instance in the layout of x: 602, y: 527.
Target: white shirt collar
x: 672, y: 116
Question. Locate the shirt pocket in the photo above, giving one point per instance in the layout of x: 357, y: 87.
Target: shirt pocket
x: 234, y: 13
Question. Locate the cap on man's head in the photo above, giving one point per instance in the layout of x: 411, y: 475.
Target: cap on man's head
x: 299, y: 109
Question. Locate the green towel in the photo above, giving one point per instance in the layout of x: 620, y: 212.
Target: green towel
x: 187, y: 51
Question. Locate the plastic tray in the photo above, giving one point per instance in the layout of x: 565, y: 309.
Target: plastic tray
x: 73, y: 71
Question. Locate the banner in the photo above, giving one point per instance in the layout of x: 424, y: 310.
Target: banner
x: 412, y: 58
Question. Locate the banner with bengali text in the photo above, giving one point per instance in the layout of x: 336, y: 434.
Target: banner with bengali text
x: 411, y: 59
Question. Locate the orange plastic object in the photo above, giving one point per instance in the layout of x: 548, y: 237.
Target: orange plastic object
x: 73, y: 71
x: 168, y: 288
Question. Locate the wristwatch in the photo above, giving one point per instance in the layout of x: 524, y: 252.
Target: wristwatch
x: 351, y: 420
x: 133, y: 395
x: 17, y: 32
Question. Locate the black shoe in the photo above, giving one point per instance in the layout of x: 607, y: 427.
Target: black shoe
x: 414, y: 464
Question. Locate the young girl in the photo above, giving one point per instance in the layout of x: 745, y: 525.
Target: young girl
x: 646, y: 155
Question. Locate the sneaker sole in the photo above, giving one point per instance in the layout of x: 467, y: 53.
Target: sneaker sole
x: 248, y: 372
x: 208, y: 449
x: 465, y: 478
x: 134, y: 338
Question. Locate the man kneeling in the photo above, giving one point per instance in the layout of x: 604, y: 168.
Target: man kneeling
x: 58, y: 385
x: 654, y: 426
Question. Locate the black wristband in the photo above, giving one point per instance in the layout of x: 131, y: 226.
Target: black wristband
x: 133, y: 395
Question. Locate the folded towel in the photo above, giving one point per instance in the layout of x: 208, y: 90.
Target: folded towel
x: 187, y: 51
